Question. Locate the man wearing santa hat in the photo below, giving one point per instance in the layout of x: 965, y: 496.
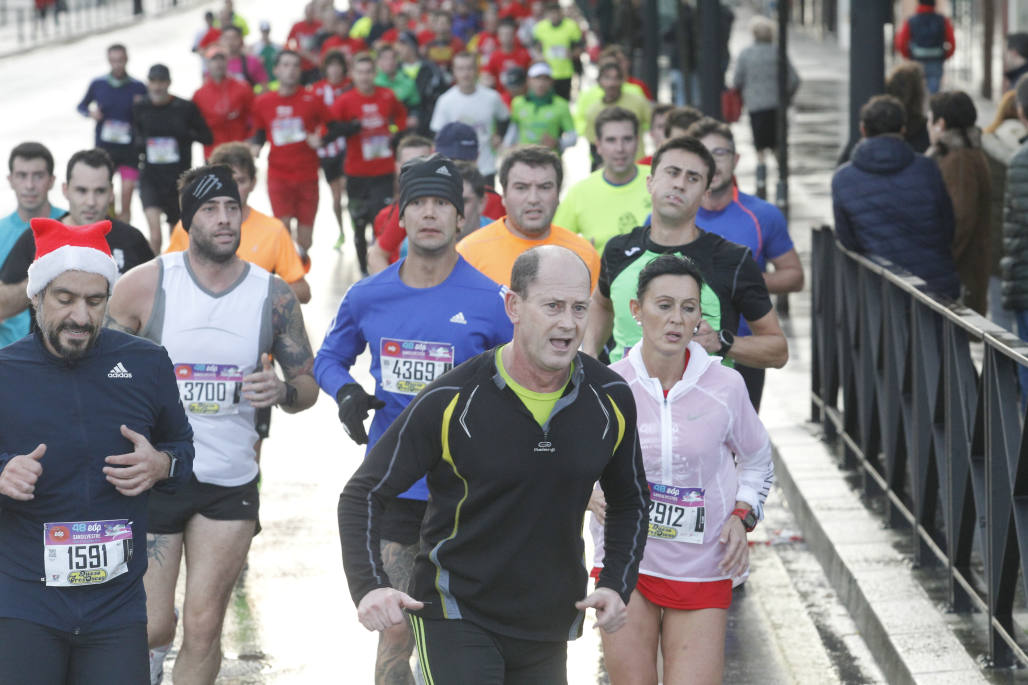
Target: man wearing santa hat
x: 90, y: 421
x: 219, y: 318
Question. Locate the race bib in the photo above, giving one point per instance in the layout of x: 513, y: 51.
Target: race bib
x: 558, y: 52
x: 676, y: 514
x: 410, y: 365
x: 86, y: 552
x: 375, y: 147
x: 209, y: 389
x: 288, y: 130
x: 162, y: 151
x: 114, y: 131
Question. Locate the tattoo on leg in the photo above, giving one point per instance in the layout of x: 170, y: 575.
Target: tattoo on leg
x: 393, y: 664
x: 156, y: 547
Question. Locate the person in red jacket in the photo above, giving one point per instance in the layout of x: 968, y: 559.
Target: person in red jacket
x: 928, y: 38
x: 508, y: 53
x: 302, y: 39
x: 292, y: 119
x: 368, y: 116
x: 341, y: 41
x: 225, y: 103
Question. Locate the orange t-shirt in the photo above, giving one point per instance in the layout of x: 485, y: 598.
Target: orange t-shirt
x: 264, y: 241
x: 492, y: 250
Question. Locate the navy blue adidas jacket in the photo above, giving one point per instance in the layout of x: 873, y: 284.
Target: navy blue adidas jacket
x: 77, y: 409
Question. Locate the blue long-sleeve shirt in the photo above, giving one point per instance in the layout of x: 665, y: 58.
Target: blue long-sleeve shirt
x: 76, y: 409
x: 414, y: 335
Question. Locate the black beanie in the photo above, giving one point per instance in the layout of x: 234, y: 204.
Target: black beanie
x: 432, y: 176
x: 216, y: 182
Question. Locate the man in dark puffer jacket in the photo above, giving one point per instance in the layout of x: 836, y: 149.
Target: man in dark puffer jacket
x: 891, y: 202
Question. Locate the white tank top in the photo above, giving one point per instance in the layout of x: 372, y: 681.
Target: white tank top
x: 214, y: 339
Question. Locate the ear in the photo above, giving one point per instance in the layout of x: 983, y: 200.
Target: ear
x: 863, y: 130
x: 635, y: 308
x: 512, y: 304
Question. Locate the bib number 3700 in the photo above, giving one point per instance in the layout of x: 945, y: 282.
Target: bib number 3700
x: 82, y: 553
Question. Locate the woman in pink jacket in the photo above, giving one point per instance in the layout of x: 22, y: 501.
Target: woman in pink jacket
x: 708, y: 463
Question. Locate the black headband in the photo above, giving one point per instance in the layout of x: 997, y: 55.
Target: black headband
x: 216, y: 182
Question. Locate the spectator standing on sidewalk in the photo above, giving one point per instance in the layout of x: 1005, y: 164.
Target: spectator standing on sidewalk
x: 927, y: 37
x: 906, y: 82
x: 957, y: 147
x: 756, y: 75
x: 892, y: 202
x: 1000, y: 140
x: 1014, y: 264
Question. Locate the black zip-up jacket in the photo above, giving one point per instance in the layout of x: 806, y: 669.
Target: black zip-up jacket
x: 501, y: 543
x: 77, y: 409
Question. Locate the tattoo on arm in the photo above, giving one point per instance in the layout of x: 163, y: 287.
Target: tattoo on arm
x: 291, y: 347
x: 112, y: 323
x: 156, y: 546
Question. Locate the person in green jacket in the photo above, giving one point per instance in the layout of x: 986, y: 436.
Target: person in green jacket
x: 540, y: 116
x: 392, y: 77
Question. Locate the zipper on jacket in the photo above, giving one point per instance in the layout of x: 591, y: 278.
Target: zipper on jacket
x: 666, y: 472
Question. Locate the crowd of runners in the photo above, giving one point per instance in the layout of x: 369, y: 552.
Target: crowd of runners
x: 536, y: 361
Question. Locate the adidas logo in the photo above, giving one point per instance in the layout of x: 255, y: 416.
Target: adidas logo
x: 458, y: 318
x: 119, y: 371
x: 443, y: 171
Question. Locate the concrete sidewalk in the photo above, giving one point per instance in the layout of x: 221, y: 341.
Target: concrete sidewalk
x: 905, y: 625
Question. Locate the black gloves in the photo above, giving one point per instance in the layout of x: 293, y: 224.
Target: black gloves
x: 354, y: 404
x: 342, y: 129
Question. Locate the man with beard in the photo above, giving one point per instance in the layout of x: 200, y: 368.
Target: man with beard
x: 91, y: 421
x: 219, y: 318
x: 89, y: 190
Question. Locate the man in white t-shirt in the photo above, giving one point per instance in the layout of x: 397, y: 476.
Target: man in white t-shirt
x: 477, y: 106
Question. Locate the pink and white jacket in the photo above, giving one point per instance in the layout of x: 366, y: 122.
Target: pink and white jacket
x: 705, y: 434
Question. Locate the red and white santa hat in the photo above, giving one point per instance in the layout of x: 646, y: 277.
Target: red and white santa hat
x: 61, y: 248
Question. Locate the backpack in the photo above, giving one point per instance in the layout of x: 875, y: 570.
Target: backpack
x: 927, y: 36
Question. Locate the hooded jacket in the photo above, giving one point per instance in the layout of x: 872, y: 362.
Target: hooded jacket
x: 692, y: 439
x: 891, y: 202
x: 1014, y: 265
x: 76, y: 408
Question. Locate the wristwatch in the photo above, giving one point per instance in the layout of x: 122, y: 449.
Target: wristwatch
x: 727, y: 339
x: 748, y: 518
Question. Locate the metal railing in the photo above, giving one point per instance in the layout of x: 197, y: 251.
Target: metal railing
x: 23, y: 26
x: 896, y: 387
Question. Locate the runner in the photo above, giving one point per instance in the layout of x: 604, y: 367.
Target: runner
x: 749, y: 221
x: 219, y: 318
x: 109, y: 100
x: 389, y: 234
x: 708, y: 462
x: 611, y: 78
x: 502, y: 590
x: 438, y: 44
x: 263, y: 239
x: 479, y: 107
x: 540, y: 116
x: 733, y: 285
x: 72, y: 604
x: 367, y: 114
x: 332, y: 152
x: 390, y: 76
x: 31, y: 176
x: 292, y: 119
x: 165, y: 127
x: 302, y: 41
x: 246, y: 67
x: 418, y: 318
x: 613, y: 199
x: 226, y: 103
x: 508, y: 54
x: 530, y: 176
x: 559, y: 41
x: 658, y: 120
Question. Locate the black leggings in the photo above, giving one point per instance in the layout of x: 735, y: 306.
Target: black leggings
x: 367, y: 195
x: 454, y: 652
x: 32, y: 654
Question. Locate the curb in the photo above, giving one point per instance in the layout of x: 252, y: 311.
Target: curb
x: 902, y: 626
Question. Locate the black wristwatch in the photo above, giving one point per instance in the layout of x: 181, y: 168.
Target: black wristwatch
x: 748, y: 518
x: 727, y: 339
